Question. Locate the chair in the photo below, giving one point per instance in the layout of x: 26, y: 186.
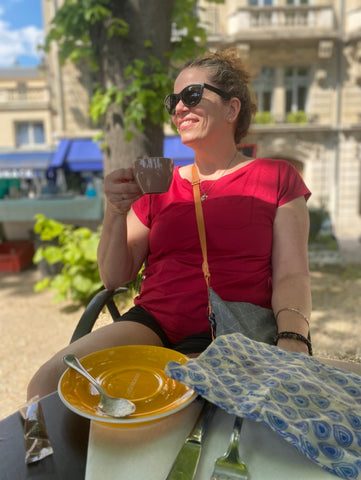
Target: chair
x: 104, y: 298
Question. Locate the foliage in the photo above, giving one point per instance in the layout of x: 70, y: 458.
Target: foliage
x: 70, y: 29
x: 321, y: 232
x: 146, y: 81
x: 263, y: 118
x: 266, y: 118
x: 296, y: 117
x: 76, y: 249
x: 140, y: 97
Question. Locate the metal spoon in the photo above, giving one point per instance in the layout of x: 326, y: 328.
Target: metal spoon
x: 111, y: 406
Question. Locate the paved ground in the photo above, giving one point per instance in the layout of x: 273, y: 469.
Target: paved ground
x: 32, y: 327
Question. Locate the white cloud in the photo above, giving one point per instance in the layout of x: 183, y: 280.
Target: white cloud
x: 18, y: 42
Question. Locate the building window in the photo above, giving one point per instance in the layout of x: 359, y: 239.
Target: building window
x: 296, y: 83
x: 22, y: 90
x: 297, y: 2
x: 261, y: 17
x: 29, y: 133
x: 298, y: 17
x: 263, y: 88
x: 260, y: 3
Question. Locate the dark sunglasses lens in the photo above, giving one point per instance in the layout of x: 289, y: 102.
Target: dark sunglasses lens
x: 192, y: 95
x: 170, y: 103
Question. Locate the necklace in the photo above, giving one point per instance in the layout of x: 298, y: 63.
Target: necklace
x: 206, y: 193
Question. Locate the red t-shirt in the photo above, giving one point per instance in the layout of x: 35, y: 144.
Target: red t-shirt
x: 238, y: 214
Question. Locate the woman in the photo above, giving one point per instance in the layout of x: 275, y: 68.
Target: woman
x: 256, y: 220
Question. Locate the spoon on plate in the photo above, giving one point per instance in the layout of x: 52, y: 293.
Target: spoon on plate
x: 111, y: 406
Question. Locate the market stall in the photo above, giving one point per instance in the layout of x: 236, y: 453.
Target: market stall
x: 43, y: 182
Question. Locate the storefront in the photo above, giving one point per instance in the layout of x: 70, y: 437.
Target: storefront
x: 22, y: 169
x: 29, y: 186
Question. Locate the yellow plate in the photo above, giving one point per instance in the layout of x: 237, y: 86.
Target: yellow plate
x: 135, y: 372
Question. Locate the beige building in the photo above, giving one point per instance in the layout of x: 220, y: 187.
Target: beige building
x: 70, y: 89
x: 306, y: 56
x: 307, y: 59
x: 25, y: 110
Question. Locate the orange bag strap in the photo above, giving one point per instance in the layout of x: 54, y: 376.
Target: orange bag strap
x: 201, y: 230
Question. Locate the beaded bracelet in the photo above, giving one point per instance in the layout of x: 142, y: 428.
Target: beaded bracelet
x: 293, y: 309
x: 294, y: 336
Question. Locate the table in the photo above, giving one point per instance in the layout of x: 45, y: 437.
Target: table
x: 68, y: 434
x: 148, y: 452
x: 117, y: 453
x: 112, y: 452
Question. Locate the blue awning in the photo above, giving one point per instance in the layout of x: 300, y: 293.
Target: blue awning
x: 24, y: 164
x: 174, y: 148
x: 60, y: 154
x: 78, y: 155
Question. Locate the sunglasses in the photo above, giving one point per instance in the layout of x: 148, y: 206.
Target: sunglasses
x: 190, y: 96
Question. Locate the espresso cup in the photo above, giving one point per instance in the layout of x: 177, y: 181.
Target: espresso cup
x: 153, y: 174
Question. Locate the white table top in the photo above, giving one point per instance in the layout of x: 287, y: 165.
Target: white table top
x: 149, y: 451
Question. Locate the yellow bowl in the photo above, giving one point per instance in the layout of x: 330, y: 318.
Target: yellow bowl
x: 135, y: 372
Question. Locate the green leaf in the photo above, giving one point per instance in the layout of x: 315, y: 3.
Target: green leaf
x: 96, y: 13
x: 61, y: 283
x: 118, y: 28
x: 52, y: 254
x: 41, y: 285
x: 38, y: 255
x: 82, y: 284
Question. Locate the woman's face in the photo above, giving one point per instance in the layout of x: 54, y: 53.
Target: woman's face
x: 208, y: 119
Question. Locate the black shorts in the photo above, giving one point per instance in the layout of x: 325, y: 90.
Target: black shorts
x: 195, y: 343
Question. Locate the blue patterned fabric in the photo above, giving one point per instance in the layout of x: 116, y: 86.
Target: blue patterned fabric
x: 314, y: 407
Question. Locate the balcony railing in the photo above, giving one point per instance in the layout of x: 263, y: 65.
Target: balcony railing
x: 277, y: 19
x: 27, y: 96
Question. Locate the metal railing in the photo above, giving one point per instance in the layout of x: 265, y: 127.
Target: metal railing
x: 31, y: 95
x: 276, y: 17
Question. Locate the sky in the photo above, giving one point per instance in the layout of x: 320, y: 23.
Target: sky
x: 21, y: 31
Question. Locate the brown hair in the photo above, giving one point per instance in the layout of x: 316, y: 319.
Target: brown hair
x: 228, y: 72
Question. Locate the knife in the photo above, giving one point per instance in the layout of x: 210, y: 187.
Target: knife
x: 186, y: 462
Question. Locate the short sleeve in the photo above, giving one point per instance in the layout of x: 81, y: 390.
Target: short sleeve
x: 141, y: 208
x: 291, y: 184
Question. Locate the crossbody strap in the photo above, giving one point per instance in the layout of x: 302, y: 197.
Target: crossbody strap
x: 202, y: 237
x: 200, y: 223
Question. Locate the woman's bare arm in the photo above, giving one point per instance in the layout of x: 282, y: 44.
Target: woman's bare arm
x: 123, y: 245
x: 290, y: 278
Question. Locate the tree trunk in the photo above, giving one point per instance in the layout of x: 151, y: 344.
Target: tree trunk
x: 148, y: 20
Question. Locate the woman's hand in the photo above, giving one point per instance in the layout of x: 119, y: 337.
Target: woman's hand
x: 124, y: 240
x: 121, y: 190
